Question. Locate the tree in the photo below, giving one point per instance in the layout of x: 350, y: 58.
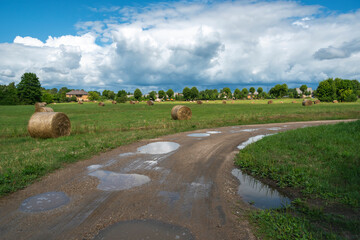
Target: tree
x: 326, y: 91
x: 226, y: 92
x: 252, y: 90
x: 187, y: 93
x: 161, y: 94
x: 46, y: 97
x: 245, y: 92
x: 170, y: 93
x: 194, y: 93
x: 29, y: 89
x: 122, y: 93
x: 152, y: 95
x: 8, y: 94
x: 94, y: 96
x: 260, y: 90
x: 279, y: 90
x: 62, y: 94
x: 237, y: 94
x: 137, y: 94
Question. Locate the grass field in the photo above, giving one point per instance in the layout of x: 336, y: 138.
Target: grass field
x: 96, y: 129
x: 322, y: 165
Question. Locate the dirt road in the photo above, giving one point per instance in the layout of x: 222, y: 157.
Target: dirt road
x: 174, y: 187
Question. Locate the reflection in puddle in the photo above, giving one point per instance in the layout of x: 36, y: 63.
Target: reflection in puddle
x: 249, y: 130
x: 274, y: 128
x: 94, y: 167
x: 126, y: 154
x: 213, y: 132
x: 144, y: 229
x: 261, y: 195
x: 44, y: 202
x: 198, y: 134
x: 158, y: 148
x: 251, y: 140
x: 112, y: 181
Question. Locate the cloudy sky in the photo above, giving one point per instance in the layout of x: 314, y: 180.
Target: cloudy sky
x: 153, y: 45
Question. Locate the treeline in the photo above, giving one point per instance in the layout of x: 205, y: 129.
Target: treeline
x: 29, y: 91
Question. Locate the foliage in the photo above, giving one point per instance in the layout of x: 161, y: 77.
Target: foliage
x: 209, y: 94
x: 8, y: 94
x: 226, y: 92
x: 303, y: 89
x: 93, y: 96
x: 338, y: 89
x: 46, y: 97
x: 162, y: 94
x: 279, y: 90
x: 260, y: 90
x: 245, y: 92
x: 187, y: 93
x: 194, y: 92
x: 293, y: 93
x: 152, y: 95
x: 252, y: 90
x: 170, y: 93
x: 121, y: 99
x: 121, y: 93
x: 137, y: 94
x: 237, y: 94
x: 29, y: 89
x: 108, y: 94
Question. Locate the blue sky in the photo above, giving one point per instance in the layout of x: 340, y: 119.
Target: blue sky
x: 155, y: 44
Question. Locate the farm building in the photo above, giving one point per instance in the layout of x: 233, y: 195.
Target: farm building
x: 80, y: 95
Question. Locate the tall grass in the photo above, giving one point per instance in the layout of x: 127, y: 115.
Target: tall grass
x: 96, y: 129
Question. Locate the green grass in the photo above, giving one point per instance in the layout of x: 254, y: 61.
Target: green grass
x: 97, y: 129
x: 322, y: 164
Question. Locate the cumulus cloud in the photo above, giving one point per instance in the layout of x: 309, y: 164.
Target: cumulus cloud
x: 220, y: 44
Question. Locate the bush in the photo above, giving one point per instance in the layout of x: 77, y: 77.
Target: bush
x: 351, y: 98
x: 121, y: 99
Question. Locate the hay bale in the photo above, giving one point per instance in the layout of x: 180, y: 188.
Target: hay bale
x: 293, y: 102
x: 199, y: 102
x: 317, y: 102
x: 180, y: 112
x: 307, y: 103
x: 207, y: 101
x: 335, y: 101
x: 270, y: 102
x: 40, y: 104
x: 49, y: 125
x: 80, y: 102
x: 281, y: 102
x: 224, y: 102
x: 150, y: 103
x: 113, y: 102
x: 44, y: 109
x: 101, y: 104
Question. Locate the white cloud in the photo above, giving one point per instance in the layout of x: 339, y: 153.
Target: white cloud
x: 195, y: 44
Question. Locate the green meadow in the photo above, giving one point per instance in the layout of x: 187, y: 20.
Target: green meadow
x: 97, y: 129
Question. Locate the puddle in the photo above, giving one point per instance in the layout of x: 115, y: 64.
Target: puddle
x: 274, y: 128
x: 126, y: 154
x: 144, y: 229
x: 249, y: 130
x: 44, y: 202
x: 158, y: 148
x: 257, y: 193
x: 94, y: 167
x: 213, y: 132
x: 169, y: 197
x: 112, y: 181
x: 198, y: 134
x: 251, y: 140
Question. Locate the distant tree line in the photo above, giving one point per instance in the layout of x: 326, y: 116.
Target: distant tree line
x: 29, y: 91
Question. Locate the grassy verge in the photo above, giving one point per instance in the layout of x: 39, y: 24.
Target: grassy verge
x: 97, y: 129
x: 321, y: 165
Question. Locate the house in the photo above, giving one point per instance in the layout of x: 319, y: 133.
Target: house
x: 80, y: 95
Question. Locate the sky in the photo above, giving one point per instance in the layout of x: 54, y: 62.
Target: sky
x: 153, y: 45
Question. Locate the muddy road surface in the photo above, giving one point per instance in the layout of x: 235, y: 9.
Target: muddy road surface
x: 178, y: 186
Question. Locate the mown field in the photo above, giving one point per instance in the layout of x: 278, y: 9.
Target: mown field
x: 96, y: 129
x: 321, y: 167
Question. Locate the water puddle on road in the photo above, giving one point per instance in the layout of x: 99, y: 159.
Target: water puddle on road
x: 94, y: 167
x: 213, y: 132
x: 44, y: 202
x: 112, y: 181
x: 127, y: 154
x: 144, y: 229
x: 170, y: 197
x: 198, y: 135
x: 251, y: 140
x: 255, y: 192
x: 158, y: 148
x: 274, y: 128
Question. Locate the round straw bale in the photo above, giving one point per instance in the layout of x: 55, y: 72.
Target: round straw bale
x: 317, y: 101
x: 293, y: 101
x: 335, y: 101
x: 180, y: 112
x: 224, y: 102
x: 281, y: 102
x: 150, y: 103
x: 44, y: 109
x: 49, y: 125
x: 101, y: 104
x: 80, y: 102
x: 270, y: 102
x: 199, y: 102
x: 113, y: 102
x: 307, y: 103
x: 207, y: 101
x: 40, y: 104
